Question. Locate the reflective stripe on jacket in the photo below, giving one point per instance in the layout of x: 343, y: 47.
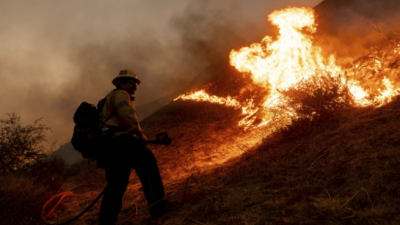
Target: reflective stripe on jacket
x: 118, y: 105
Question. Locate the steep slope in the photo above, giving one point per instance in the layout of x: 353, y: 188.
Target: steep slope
x: 345, y: 171
x: 342, y: 171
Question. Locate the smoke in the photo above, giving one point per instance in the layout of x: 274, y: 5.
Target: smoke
x: 207, y: 33
x: 210, y: 30
x: 351, y: 28
x: 56, y: 54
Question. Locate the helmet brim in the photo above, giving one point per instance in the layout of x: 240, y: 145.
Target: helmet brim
x: 114, y: 81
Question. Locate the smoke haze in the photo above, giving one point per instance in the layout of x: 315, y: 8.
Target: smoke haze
x: 56, y: 54
x: 346, y: 27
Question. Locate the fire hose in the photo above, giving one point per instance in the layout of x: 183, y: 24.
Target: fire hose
x: 161, y: 139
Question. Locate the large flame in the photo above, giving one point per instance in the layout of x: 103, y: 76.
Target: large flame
x: 292, y: 57
x: 282, y: 63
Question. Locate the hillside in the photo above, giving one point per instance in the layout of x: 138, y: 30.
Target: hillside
x: 344, y: 172
x: 336, y: 161
x: 342, y: 169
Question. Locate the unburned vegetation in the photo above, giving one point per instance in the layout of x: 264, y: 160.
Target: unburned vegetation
x: 27, y: 175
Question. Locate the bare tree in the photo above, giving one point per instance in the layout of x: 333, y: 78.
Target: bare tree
x: 20, y: 145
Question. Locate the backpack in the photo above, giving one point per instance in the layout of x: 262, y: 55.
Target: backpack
x: 88, y: 139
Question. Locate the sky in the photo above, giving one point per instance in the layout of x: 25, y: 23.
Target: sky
x: 55, y: 54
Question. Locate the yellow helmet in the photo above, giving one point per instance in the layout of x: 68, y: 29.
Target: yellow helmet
x: 126, y: 73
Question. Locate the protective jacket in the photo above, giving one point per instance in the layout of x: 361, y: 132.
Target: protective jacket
x: 121, y: 114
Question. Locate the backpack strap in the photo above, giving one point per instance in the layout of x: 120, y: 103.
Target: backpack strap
x: 113, y: 114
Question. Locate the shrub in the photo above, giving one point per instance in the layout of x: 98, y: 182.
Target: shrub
x: 311, y: 102
x: 20, y: 145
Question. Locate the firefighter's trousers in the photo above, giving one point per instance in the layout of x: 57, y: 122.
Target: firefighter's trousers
x: 123, y: 153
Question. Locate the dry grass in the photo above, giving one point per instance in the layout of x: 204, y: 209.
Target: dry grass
x: 18, y: 197
x: 342, y: 170
x: 22, y: 194
x: 335, y: 164
x: 347, y: 174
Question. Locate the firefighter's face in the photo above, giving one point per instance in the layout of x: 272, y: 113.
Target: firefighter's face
x: 130, y: 86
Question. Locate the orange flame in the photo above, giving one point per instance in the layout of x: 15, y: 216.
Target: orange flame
x: 283, y: 63
x: 248, y: 108
x: 202, y: 96
x: 387, y: 95
x: 280, y: 64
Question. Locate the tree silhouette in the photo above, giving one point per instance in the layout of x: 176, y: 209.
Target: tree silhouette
x: 20, y: 145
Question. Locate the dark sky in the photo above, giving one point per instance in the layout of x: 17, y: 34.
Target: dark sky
x: 54, y: 54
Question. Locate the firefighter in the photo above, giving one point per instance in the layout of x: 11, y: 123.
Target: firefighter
x: 126, y: 149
